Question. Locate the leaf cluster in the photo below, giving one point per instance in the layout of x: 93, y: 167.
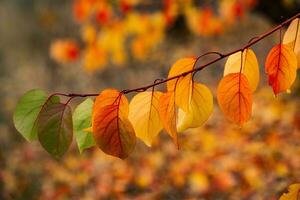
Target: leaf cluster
x: 112, y: 122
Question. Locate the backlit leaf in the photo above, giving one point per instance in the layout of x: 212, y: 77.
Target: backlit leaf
x: 250, y: 66
x: 26, y: 113
x: 281, y: 67
x: 113, y: 132
x: 55, y: 127
x: 292, y: 37
x: 292, y: 194
x: 182, y: 85
x: 235, y: 97
x: 168, y: 114
x: 144, y: 116
x: 82, y: 119
x: 200, y: 108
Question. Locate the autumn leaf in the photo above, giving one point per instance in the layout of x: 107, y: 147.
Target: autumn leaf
x: 113, y: 132
x: 168, y: 114
x: 249, y: 66
x: 292, y: 194
x: 55, y: 127
x: 235, y: 97
x: 144, y: 116
x: 292, y: 37
x: 200, y: 108
x: 181, y: 86
x: 281, y: 67
x: 64, y: 51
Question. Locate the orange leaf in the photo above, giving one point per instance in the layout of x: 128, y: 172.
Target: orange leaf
x: 64, y: 51
x: 235, y: 97
x: 281, y: 67
x: 167, y: 112
x: 112, y: 130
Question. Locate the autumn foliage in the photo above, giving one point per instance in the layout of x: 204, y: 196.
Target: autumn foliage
x: 113, y: 123
x: 106, y: 27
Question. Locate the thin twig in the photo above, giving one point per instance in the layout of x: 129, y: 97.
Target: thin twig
x: 253, y: 41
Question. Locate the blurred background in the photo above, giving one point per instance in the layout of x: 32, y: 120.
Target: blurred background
x: 83, y: 46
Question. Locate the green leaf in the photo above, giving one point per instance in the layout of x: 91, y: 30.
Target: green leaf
x: 82, y: 119
x: 55, y: 127
x: 26, y: 113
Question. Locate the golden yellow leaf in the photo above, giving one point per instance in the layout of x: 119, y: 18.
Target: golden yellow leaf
x: 181, y: 86
x: 292, y: 37
x: 235, y: 97
x: 250, y: 66
x: 144, y: 116
x: 200, y: 108
x: 292, y: 194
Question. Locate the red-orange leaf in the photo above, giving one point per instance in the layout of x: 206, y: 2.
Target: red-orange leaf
x: 167, y: 112
x: 235, y: 97
x: 112, y: 130
x: 281, y: 67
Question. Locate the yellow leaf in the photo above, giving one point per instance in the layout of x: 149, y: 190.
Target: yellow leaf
x: 292, y: 37
x: 250, y: 66
x: 144, y: 116
x: 292, y: 194
x: 200, y: 108
x: 182, y: 85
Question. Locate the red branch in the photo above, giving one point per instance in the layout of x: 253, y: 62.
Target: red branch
x: 251, y: 42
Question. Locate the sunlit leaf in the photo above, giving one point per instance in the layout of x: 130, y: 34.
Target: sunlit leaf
x: 113, y: 132
x: 281, y: 67
x: 26, y: 113
x: 292, y: 37
x: 235, y: 97
x: 200, y: 108
x: 82, y: 119
x: 182, y: 85
x: 55, y: 127
x: 168, y: 114
x: 292, y: 194
x: 250, y: 66
x: 144, y: 116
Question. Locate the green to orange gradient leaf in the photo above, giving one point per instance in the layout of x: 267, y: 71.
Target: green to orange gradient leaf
x: 235, y: 97
x: 292, y: 194
x: 55, y: 127
x: 200, y: 108
x: 144, y: 116
x: 292, y: 37
x: 181, y: 86
x: 168, y: 114
x: 281, y: 67
x: 249, y: 66
x: 113, y: 132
